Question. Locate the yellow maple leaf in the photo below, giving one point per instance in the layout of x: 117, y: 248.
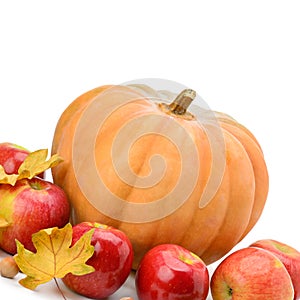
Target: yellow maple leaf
x: 35, y: 163
x: 54, y: 256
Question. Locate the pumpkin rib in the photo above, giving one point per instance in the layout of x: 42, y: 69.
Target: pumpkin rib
x: 209, y: 222
x: 260, y: 172
x: 210, y: 210
x: 226, y: 119
x: 241, y: 197
x: 178, y: 238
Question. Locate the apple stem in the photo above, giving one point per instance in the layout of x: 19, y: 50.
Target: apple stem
x: 61, y: 292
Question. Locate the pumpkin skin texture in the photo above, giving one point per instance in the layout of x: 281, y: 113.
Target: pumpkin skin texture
x: 211, y: 230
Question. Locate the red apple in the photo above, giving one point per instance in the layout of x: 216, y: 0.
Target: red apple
x: 27, y: 207
x: 251, y: 273
x: 169, y: 271
x: 289, y: 256
x: 112, y: 260
x: 12, y: 156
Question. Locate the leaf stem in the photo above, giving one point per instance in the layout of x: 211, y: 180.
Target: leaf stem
x: 61, y: 292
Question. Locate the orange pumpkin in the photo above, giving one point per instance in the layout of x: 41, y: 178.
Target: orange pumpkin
x: 159, y: 171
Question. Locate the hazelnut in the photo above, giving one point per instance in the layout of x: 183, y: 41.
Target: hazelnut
x: 8, y: 267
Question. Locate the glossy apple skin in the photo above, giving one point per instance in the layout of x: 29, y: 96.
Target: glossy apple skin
x: 169, y: 271
x: 12, y: 156
x: 29, y: 206
x: 288, y: 255
x: 249, y: 274
x: 112, y: 260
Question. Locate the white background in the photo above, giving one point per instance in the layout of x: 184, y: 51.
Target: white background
x: 242, y: 57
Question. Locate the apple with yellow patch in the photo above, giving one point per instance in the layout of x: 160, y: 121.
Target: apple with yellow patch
x: 288, y: 255
x: 251, y: 273
x: 27, y: 207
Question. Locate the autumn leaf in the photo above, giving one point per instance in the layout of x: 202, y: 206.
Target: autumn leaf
x: 35, y: 163
x: 54, y: 256
x: 5, y: 178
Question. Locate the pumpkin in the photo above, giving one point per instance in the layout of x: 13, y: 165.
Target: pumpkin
x: 159, y: 171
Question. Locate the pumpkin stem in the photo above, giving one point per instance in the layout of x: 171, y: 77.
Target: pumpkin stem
x: 182, y: 102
